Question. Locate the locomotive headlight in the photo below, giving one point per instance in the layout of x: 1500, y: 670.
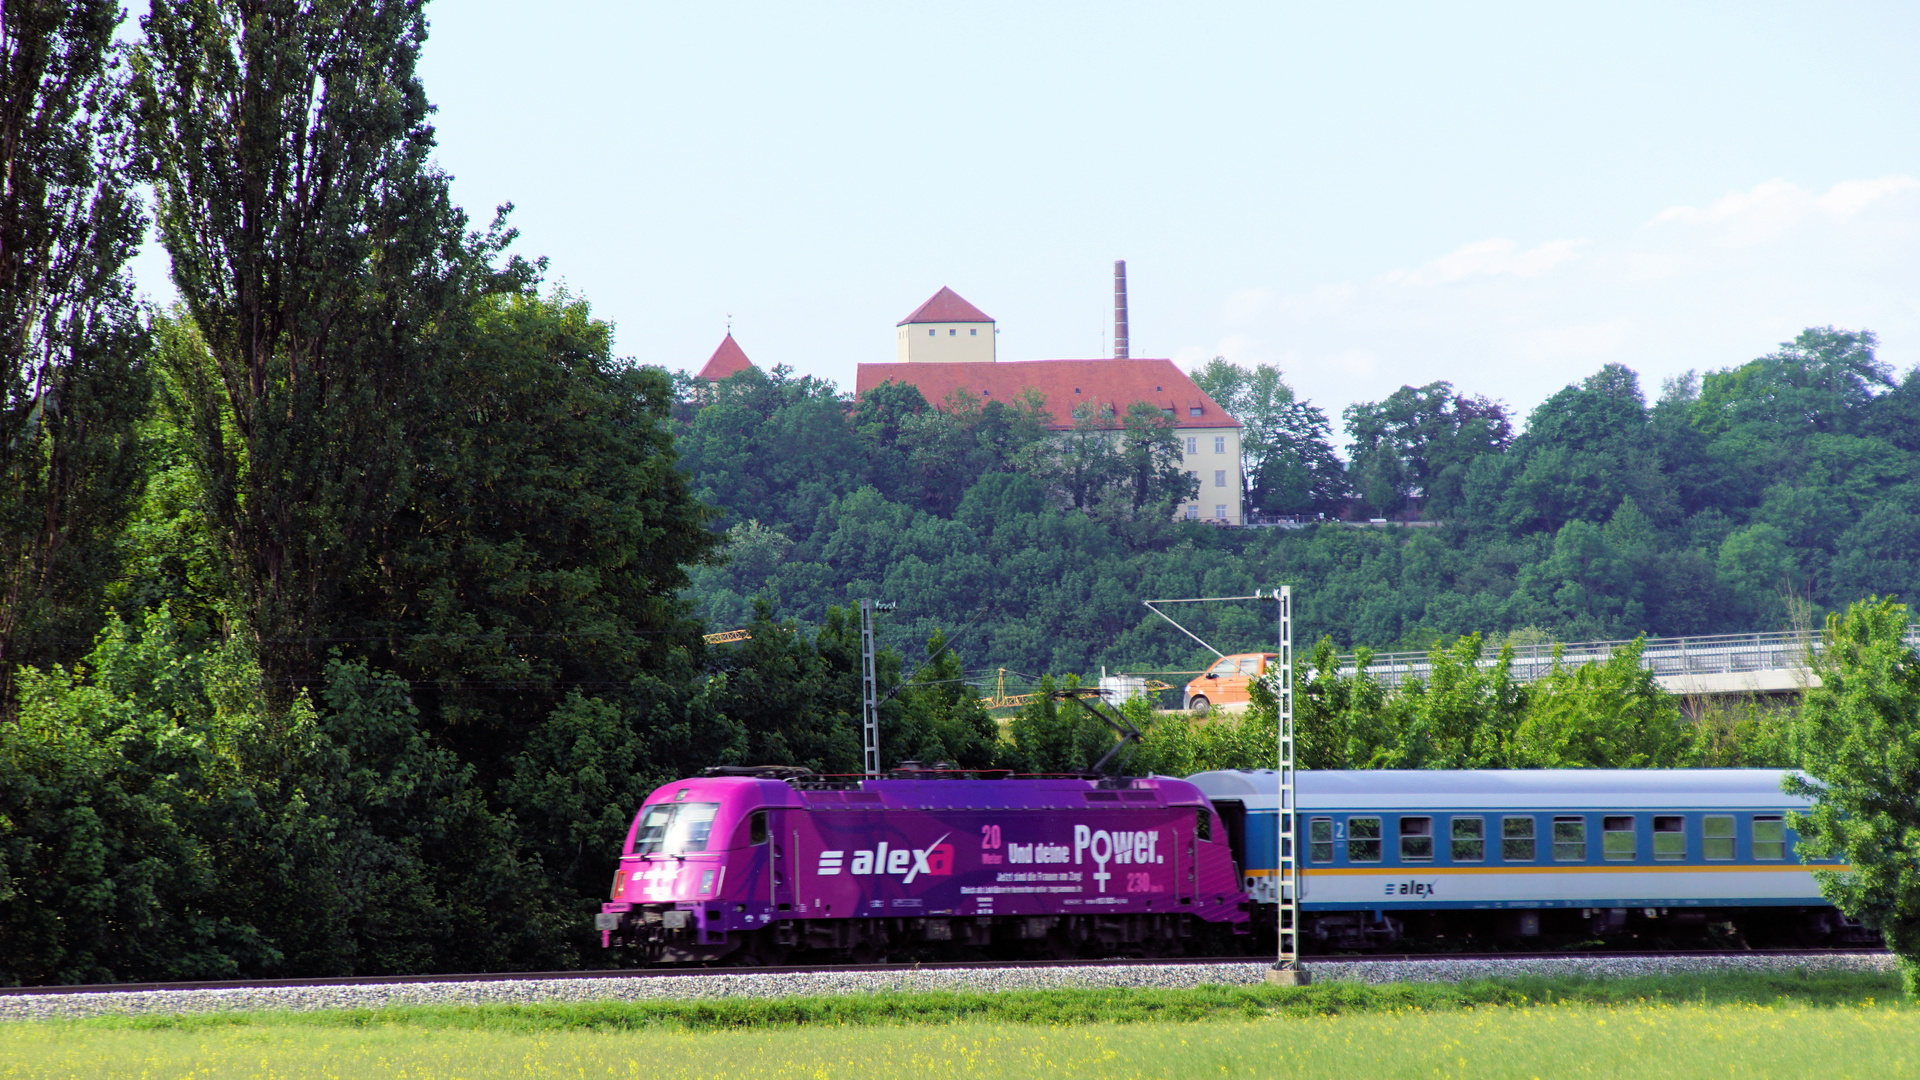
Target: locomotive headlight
x: 619, y: 884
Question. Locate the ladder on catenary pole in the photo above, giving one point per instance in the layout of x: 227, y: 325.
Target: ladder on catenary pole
x: 1286, y: 967
x: 870, y: 694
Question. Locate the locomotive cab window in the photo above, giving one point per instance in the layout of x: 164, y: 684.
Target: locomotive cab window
x: 1363, y: 839
x: 1769, y: 836
x: 1617, y: 840
x: 1469, y: 839
x: 675, y: 828
x: 1669, y: 838
x: 1716, y: 837
x: 1320, y: 840
x: 1416, y: 839
x: 1569, y: 839
x: 757, y: 827
x: 1516, y: 839
x: 1203, y: 823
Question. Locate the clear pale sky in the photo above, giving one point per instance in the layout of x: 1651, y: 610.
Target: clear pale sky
x: 1506, y: 196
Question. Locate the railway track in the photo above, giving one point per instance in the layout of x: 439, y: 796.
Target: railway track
x: 944, y: 965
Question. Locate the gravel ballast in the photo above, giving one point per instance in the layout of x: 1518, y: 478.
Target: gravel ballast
x: 968, y: 980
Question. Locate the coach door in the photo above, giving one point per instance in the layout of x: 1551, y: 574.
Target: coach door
x: 1233, y: 815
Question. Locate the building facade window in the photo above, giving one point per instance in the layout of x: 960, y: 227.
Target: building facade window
x: 1219, y: 513
x: 1219, y: 444
x: 1193, y: 513
x: 1193, y: 444
x: 973, y: 332
x: 1193, y: 410
x: 1219, y: 478
x: 953, y: 333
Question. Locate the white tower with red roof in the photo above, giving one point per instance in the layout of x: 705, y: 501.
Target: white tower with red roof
x: 945, y: 330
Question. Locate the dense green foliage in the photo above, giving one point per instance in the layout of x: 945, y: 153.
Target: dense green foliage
x: 396, y: 564
x: 1786, y: 480
x: 1860, y: 747
x: 1469, y: 715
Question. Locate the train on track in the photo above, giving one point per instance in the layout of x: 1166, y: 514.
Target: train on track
x: 774, y: 865
x: 1497, y: 855
x: 763, y: 866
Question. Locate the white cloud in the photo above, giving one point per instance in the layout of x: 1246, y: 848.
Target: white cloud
x: 1766, y: 211
x: 1695, y: 287
x: 1486, y: 258
x: 1852, y: 196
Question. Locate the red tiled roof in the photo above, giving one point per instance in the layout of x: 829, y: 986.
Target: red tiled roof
x: 1065, y: 384
x: 728, y: 359
x: 945, y: 306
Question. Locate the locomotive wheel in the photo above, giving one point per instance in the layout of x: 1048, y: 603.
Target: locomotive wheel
x: 1199, y: 705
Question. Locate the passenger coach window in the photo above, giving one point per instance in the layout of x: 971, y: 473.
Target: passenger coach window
x: 1363, y: 839
x: 1416, y: 839
x: 1716, y: 836
x: 1516, y: 839
x: 1669, y: 839
x: 1469, y: 839
x: 1320, y: 839
x: 1617, y: 839
x: 1569, y: 839
x: 1769, y: 837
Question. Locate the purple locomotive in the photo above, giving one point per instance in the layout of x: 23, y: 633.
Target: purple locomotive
x: 760, y: 865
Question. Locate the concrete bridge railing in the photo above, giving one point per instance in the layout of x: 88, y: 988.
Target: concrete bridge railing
x: 1766, y: 663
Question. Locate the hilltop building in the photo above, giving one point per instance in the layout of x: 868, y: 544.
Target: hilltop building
x: 945, y: 330
x: 946, y: 346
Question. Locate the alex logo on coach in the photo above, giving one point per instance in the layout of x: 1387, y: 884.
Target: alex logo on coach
x: 934, y: 860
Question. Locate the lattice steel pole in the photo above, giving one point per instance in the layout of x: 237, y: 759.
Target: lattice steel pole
x: 1286, y: 968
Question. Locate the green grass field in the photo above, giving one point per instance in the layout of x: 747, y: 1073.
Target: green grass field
x: 1835, y: 1026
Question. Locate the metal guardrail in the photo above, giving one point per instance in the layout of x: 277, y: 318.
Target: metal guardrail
x: 1724, y: 654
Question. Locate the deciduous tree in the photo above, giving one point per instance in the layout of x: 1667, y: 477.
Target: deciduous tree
x: 1859, y: 744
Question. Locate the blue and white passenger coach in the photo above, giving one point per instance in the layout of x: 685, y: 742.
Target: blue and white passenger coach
x: 1515, y: 853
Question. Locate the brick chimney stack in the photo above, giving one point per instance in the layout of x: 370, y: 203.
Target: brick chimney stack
x: 1120, y: 309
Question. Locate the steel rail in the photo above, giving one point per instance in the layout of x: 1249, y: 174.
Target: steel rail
x: 942, y: 965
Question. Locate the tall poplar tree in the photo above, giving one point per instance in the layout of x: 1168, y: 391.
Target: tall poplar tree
x: 316, y: 247
x: 70, y: 335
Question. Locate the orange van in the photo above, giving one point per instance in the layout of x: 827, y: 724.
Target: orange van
x: 1225, y: 683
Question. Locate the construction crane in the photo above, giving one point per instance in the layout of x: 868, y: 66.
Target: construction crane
x: 1000, y: 700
